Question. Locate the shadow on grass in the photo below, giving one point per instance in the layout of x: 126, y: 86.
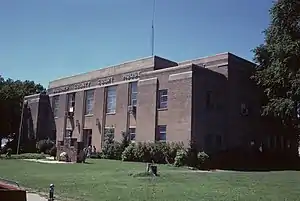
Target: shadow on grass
x: 256, y: 162
x: 261, y: 169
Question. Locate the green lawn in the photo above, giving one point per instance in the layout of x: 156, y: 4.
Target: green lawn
x: 112, y: 180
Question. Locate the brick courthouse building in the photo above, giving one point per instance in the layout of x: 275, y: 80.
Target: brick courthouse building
x: 209, y: 100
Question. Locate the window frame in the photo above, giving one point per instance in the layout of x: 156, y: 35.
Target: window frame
x: 162, y: 104
x: 89, y: 102
x: 111, y: 100
x: 71, y: 101
x: 133, y: 94
x: 132, y: 133
x: 159, y: 133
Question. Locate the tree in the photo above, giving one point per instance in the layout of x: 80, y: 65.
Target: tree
x: 11, y: 98
x: 278, y: 59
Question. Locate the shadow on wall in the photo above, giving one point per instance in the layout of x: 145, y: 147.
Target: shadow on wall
x: 38, y: 123
x: 46, y: 127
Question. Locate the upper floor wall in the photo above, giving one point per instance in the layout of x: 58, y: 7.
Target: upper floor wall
x: 111, y: 73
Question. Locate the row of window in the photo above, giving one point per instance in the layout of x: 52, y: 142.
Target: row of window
x: 110, y: 100
x: 161, y: 133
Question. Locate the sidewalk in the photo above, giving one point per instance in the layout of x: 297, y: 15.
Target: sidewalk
x: 35, y: 197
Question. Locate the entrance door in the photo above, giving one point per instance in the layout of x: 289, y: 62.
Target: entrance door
x: 87, y: 137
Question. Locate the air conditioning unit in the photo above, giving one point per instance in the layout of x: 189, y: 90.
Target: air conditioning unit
x: 131, y: 109
x: 71, y: 112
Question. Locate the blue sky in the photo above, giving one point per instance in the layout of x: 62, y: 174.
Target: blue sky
x: 49, y: 39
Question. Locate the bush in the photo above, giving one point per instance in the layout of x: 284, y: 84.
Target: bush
x: 53, y: 151
x: 202, y: 159
x: 96, y: 155
x: 112, y: 151
x: 181, y: 158
x: 129, y: 154
x: 44, y: 146
x: 28, y: 156
x: 143, y: 152
x: 148, y: 152
x: 8, y: 152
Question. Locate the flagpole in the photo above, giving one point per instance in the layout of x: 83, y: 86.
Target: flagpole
x: 152, y: 37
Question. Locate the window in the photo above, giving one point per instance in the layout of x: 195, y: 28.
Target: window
x: 89, y: 101
x: 109, y: 133
x: 209, y: 99
x: 162, y: 133
x: 133, y: 93
x: 71, y: 102
x: 132, y: 134
x: 111, y: 99
x: 163, y: 98
x: 55, y: 105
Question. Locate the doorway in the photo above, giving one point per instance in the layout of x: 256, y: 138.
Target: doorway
x: 87, y: 137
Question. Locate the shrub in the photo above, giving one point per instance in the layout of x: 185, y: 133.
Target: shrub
x: 8, y: 152
x: 143, y: 152
x: 53, y: 151
x: 112, y: 151
x: 181, y: 158
x: 202, y: 159
x: 173, y: 148
x: 44, y: 146
x: 148, y: 152
x: 125, y: 140
x: 96, y: 155
x: 28, y: 156
x: 129, y: 154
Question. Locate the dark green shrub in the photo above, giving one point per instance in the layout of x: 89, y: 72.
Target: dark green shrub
x: 129, y: 154
x: 28, y: 156
x: 192, y: 152
x: 202, y: 159
x: 112, y: 151
x: 44, y: 146
x: 96, y: 155
x: 151, y: 152
x: 53, y: 151
x: 158, y: 152
x: 181, y: 158
x: 8, y: 152
x: 143, y: 152
x: 173, y: 148
x: 125, y: 140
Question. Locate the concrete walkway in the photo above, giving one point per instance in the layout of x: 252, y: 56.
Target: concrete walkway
x: 47, y: 161
x: 35, y: 197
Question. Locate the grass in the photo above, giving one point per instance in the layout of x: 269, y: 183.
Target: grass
x: 115, y: 180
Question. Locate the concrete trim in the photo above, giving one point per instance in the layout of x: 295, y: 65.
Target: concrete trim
x: 152, y: 80
x: 94, y: 87
x: 221, y: 65
x: 167, y: 69
x: 179, y: 76
x: 31, y: 96
x: 207, y: 59
x: 34, y: 100
x: 105, y: 72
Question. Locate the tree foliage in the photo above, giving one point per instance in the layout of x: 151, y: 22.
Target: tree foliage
x: 12, y: 93
x: 278, y: 59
